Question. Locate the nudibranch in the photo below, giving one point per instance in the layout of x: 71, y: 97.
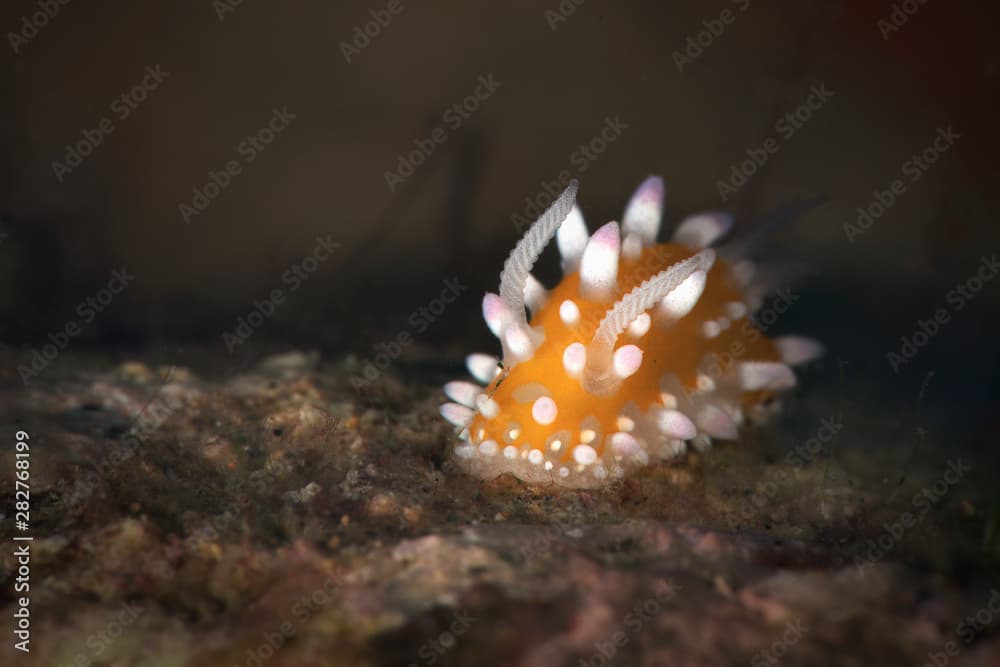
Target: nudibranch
x: 642, y: 349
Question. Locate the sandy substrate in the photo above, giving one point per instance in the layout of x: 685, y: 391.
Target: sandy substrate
x: 274, y: 516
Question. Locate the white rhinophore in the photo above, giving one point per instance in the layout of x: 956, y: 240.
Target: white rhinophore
x: 514, y: 278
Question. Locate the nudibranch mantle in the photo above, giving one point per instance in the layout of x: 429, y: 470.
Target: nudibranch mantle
x: 641, y: 349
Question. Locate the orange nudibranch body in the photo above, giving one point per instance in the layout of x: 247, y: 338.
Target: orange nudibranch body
x: 641, y: 348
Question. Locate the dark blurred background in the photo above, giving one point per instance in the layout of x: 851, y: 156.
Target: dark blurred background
x: 564, y: 69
